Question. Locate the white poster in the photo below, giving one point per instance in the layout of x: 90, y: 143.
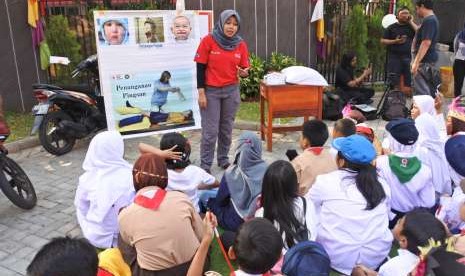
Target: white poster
x: 147, y: 72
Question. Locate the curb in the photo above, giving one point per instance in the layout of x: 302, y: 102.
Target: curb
x: 28, y: 142
x: 33, y: 141
x: 247, y: 125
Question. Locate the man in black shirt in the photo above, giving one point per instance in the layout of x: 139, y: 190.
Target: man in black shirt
x: 349, y: 86
x: 398, y: 37
x: 425, y: 75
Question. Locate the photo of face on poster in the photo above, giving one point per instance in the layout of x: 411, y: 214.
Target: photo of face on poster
x: 146, y: 102
x: 181, y: 28
x: 113, y: 31
x: 149, y: 30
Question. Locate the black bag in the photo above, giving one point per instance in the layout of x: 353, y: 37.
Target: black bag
x: 394, y: 106
x: 332, y: 106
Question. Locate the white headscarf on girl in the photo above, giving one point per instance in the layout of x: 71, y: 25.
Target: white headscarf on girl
x: 107, y: 176
x: 425, y: 104
x: 430, y: 150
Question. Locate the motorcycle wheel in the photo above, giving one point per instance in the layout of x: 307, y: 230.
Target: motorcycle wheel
x: 16, y: 185
x: 49, y: 138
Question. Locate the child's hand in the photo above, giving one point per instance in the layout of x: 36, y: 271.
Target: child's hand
x: 361, y: 270
x: 438, y: 103
x: 243, y: 72
x: 171, y: 154
x: 209, y: 223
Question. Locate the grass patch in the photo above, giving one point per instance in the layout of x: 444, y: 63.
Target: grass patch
x: 20, y: 125
x: 250, y: 111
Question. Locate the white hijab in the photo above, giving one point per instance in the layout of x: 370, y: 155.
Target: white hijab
x: 430, y: 150
x: 425, y: 104
x: 106, y: 178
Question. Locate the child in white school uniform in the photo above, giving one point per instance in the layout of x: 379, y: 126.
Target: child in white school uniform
x: 409, y: 179
x: 353, y: 207
x: 412, y: 231
x: 452, y: 208
x: 182, y: 176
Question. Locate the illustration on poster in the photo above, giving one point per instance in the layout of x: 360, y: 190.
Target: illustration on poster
x: 149, y: 82
x: 181, y: 27
x: 143, y: 102
x: 149, y: 30
x: 113, y: 31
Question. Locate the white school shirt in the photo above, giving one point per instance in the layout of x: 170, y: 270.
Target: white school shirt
x: 400, y: 265
x: 104, y: 234
x: 350, y: 234
x: 310, y: 219
x: 188, y: 180
x: 418, y: 192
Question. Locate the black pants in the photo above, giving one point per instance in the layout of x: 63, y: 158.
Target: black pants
x: 459, y: 74
x: 359, y: 95
x: 400, y: 65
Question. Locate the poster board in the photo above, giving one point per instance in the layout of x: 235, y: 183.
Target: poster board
x: 146, y: 67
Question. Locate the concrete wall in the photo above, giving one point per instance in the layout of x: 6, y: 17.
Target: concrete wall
x: 19, y: 68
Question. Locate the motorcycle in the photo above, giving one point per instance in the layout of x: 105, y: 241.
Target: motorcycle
x: 14, y: 182
x: 66, y: 113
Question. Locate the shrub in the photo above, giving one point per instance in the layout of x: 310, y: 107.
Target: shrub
x: 250, y: 86
x: 62, y: 42
x: 357, y: 35
x: 278, y: 62
x: 376, y: 51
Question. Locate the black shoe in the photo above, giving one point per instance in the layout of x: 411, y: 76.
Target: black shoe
x: 225, y: 166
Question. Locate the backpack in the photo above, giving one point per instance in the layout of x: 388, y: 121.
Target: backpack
x: 332, y: 106
x: 307, y: 258
x: 394, y: 106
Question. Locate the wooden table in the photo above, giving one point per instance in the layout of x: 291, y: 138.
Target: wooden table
x: 284, y: 101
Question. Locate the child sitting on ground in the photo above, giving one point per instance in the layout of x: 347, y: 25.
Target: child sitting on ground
x: 314, y: 160
x: 182, y: 176
x: 257, y: 247
x: 342, y: 128
x: 65, y: 256
x: 410, y: 180
x: 415, y: 229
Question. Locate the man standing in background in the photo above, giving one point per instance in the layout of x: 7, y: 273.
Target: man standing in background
x: 398, y: 37
x: 425, y: 75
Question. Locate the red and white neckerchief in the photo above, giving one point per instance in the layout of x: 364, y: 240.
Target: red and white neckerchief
x: 153, y: 202
x: 315, y: 150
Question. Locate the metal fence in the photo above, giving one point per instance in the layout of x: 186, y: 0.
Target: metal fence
x: 272, y: 26
x: 336, y: 17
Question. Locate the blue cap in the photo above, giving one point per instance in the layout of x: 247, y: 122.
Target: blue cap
x: 355, y: 148
x: 455, y: 153
x: 403, y: 130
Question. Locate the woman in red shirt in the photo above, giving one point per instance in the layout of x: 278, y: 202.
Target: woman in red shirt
x: 221, y: 57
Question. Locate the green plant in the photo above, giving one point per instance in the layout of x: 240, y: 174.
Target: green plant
x: 356, y: 32
x: 407, y: 3
x: 250, y: 86
x: 376, y: 51
x: 62, y: 42
x: 278, y: 62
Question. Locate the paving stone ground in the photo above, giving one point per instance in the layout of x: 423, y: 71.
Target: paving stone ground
x: 55, y: 179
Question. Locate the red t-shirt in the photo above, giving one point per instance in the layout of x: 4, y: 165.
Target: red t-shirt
x: 221, y: 64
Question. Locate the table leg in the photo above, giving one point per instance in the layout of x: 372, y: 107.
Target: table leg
x: 269, y: 131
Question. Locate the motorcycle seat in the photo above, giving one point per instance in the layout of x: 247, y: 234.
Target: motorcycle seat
x: 83, y: 88
x: 46, y: 86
